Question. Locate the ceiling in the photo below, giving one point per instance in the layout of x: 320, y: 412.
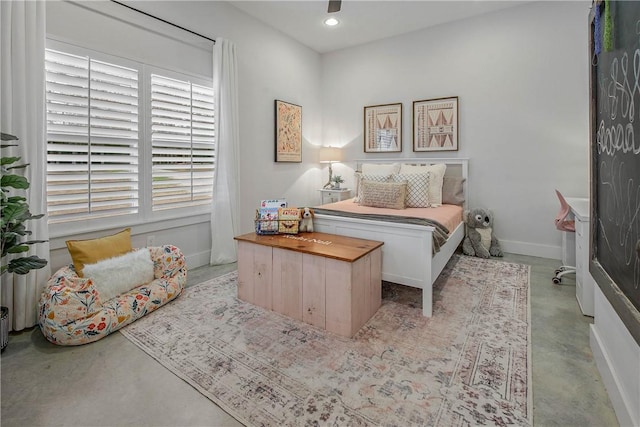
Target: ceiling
x: 361, y: 21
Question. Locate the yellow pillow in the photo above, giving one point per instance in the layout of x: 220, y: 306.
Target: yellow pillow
x: 94, y: 250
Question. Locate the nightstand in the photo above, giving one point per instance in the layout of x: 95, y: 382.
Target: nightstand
x: 330, y: 196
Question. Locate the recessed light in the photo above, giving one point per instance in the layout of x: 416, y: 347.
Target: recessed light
x: 331, y: 22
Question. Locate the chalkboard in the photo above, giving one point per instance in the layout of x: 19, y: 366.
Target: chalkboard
x: 615, y: 245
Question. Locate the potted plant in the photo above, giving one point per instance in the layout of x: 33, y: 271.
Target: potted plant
x: 15, y: 212
x: 337, y: 180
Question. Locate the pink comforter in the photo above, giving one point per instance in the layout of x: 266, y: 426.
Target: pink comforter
x: 450, y: 216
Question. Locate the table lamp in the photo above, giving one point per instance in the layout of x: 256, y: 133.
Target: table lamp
x: 330, y: 155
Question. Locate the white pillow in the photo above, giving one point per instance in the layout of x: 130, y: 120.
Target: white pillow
x: 379, y: 169
x: 436, y: 179
x: 115, y: 276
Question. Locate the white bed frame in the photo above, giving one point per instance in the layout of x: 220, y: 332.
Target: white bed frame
x: 407, y: 249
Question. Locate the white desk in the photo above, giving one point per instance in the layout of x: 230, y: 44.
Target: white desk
x: 585, y: 284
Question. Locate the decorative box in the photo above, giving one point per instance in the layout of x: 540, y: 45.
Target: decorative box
x: 288, y: 220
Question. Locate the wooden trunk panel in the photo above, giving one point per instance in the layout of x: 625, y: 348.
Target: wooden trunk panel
x: 287, y: 283
x: 375, y: 289
x: 338, y: 290
x: 313, y: 290
x: 245, y: 271
x: 360, y: 302
x: 262, y: 276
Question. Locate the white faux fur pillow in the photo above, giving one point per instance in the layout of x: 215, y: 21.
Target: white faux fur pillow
x: 115, y: 276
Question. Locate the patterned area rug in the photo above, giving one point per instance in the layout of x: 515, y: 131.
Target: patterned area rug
x: 469, y: 364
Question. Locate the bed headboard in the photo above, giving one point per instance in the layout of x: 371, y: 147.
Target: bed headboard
x: 457, y: 167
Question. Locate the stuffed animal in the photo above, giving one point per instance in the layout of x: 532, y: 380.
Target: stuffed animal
x: 306, y: 219
x: 480, y: 240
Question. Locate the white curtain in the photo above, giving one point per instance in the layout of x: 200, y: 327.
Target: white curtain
x: 22, y: 43
x: 224, y: 213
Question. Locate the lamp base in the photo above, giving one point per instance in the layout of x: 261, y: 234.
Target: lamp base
x: 328, y: 184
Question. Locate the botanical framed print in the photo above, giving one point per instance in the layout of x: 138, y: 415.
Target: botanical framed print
x: 288, y: 128
x: 383, y: 128
x: 435, y: 124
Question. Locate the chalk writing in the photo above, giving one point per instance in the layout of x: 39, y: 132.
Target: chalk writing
x: 619, y: 202
x: 620, y: 99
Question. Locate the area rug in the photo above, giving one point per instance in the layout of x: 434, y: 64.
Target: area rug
x: 468, y: 365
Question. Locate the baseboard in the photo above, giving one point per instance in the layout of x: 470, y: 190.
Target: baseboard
x: 198, y: 259
x: 531, y: 249
x: 609, y: 378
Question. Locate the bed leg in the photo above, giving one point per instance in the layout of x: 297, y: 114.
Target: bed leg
x: 427, y: 302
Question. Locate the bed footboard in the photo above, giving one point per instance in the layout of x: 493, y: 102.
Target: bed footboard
x: 406, y: 254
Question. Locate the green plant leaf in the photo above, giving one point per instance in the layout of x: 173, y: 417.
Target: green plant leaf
x: 26, y: 264
x: 35, y: 216
x: 15, y: 199
x: 8, y: 137
x: 9, y: 243
x: 15, y: 181
x: 17, y: 249
x: 9, y: 160
x: 18, y: 166
x: 14, y: 211
x: 10, y: 235
x: 17, y: 229
x: 33, y: 242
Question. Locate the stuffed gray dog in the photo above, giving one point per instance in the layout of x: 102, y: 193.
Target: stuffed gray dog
x: 480, y: 240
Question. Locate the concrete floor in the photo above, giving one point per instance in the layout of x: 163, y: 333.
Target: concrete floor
x: 113, y: 383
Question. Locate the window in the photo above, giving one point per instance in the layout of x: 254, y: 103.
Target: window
x: 104, y: 118
x: 92, y: 138
x: 182, y: 137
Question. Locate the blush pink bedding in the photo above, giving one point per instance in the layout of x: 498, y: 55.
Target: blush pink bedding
x: 450, y: 216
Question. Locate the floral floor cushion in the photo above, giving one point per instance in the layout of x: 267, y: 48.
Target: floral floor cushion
x: 71, y: 311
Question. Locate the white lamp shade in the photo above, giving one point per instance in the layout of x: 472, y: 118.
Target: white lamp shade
x: 330, y: 155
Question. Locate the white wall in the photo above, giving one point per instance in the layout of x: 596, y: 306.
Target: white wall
x: 271, y: 66
x: 521, y: 75
x: 109, y: 28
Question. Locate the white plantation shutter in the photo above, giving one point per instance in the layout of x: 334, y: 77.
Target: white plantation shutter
x: 92, y: 138
x: 183, y: 144
x: 125, y: 140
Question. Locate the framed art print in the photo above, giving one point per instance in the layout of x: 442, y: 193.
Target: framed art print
x: 435, y: 124
x: 288, y: 128
x: 383, y: 128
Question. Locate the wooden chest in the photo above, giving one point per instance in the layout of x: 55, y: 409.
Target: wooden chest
x: 329, y: 281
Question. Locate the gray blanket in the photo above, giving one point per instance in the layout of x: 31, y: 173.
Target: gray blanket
x: 440, y: 234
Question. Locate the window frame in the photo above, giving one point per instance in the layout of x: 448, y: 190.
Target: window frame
x: 146, y: 215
